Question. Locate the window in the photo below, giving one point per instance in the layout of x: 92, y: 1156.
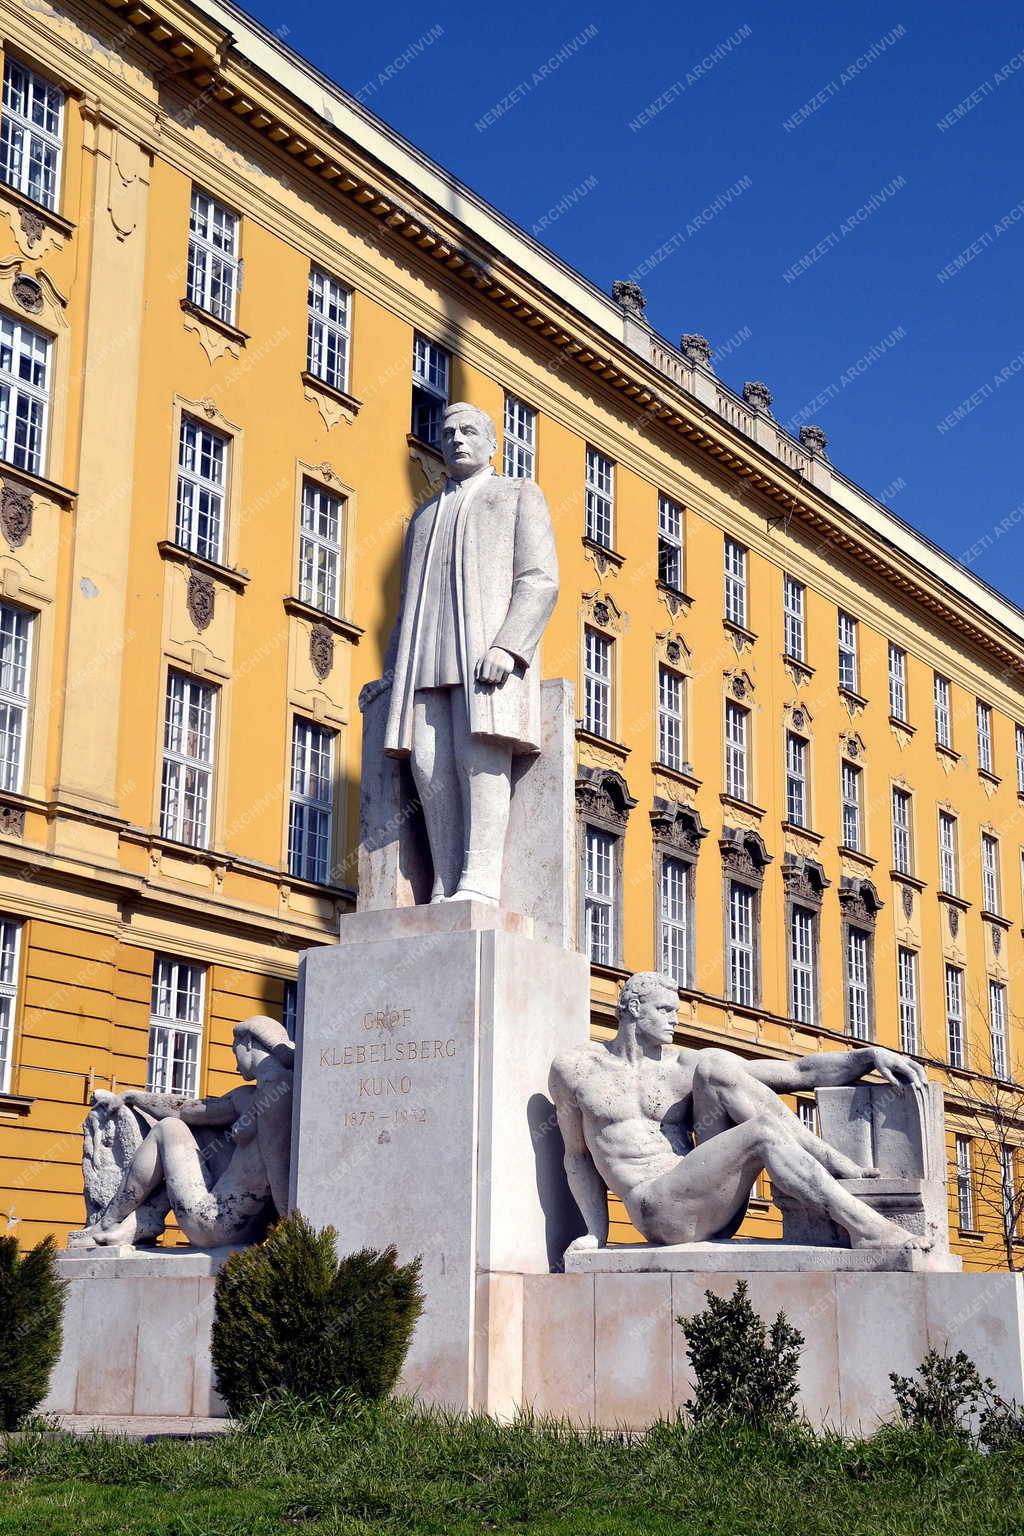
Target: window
x: 850, y: 775
x: 290, y: 1007
x: 858, y: 983
x: 948, y: 863
x: 736, y: 775
x: 943, y: 712
x: 794, y: 599
x: 187, y: 786
x: 431, y: 369
x: 902, y: 848
x: 801, y: 964
x: 964, y: 1185
x: 735, y: 583
x: 329, y: 330
x: 1018, y: 736
x: 1008, y: 1180
x: 175, y: 1028
x: 519, y: 454
x: 24, y: 395
x: 597, y: 683
x: 599, y: 522
x: 990, y: 872
x: 897, y: 682
x: 10, y: 948
x: 796, y: 779
x: 955, y: 1043
x: 312, y: 800
x: 670, y: 718
x: 997, y: 1029
x: 30, y: 134
x: 15, y: 675
x: 213, y: 265
x: 320, y: 548
x: 984, y: 737
x: 742, y: 970
x: 906, y: 978
x: 670, y: 543
x: 599, y: 896
x: 674, y: 911
x: 202, y: 484
x: 847, y: 632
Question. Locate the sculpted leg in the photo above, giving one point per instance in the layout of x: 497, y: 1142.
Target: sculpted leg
x: 437, y: 782
x: 485, y: 781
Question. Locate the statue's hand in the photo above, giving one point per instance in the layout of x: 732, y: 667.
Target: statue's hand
x: 494, y: 665
x: 104, y: 1100
x: 896, y: 1069
x: 371, y: 691
x: 585, y: 1244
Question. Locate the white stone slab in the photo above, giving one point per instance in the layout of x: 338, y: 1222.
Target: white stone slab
x: 558, y: 1346
x: 882, y: 1327
x: 752, y: 1256
x: 633, y: 1325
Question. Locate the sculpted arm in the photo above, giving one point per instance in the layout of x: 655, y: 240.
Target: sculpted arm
x: 836, y: 1069
x: 165, y: 1106
x: 586, y: 1184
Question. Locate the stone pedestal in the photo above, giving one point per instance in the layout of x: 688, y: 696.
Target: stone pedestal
x: 421, y: 1118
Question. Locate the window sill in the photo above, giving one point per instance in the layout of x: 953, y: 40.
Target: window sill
x: 421, y: 446
x: 736, y: 804
x: 968, y: 1235
x: 226, y: 574
x: 609, y: 972
x: 337, y: 626
x: 798, y: 830
x: 803, y: 667
x: 949, y: 753
x: 674, y: 594
x: 15, y: 1104
x: 858, y: 857
x: 48, y: 489
x: 29, y: 205
x: 616, y: 748
x: 902, y: 725
x: 603, y: 553
x: 853, y: 697
x: 953, y: 900
x: 739, y: 632
x: 997, y: 918
x: 214, y: 322
x: 904, y: 877
x: 677, y: 775
x: 989, y: 777
x: 313, y: 381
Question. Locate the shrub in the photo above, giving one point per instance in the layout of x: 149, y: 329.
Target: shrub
x: 292, y: 1319
x: 31, y: 1327
x: 945, y: 1393
x: 1001, y: 1425
x: 744, y: 1371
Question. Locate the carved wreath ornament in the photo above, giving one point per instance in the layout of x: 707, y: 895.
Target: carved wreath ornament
x: 321, y: 650
x: 28, y: 293
x: 15, y: 513
x: 199, y: 599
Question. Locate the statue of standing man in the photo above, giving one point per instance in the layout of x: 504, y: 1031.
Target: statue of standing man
x: 479, y: 583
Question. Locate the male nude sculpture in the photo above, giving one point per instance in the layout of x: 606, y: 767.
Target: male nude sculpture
x: 681, y: 1135
x: 479, y: 582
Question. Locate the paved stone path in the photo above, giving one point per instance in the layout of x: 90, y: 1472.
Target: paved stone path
x: 140, y: 1426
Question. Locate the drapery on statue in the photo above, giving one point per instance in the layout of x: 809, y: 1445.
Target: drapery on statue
x: 220, y: 1164
x: 479, y: 582
x: 681, y: 1135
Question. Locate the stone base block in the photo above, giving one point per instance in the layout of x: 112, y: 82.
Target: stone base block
x: 756, y: 1256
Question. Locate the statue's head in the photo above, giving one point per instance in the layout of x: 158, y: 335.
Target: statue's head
x: 468, y: 439
x: 258, y: 1037
x: 650, y: 1000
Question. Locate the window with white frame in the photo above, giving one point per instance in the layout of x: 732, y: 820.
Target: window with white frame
x: 794, y: 604
x: 737, y: 748
x: 320, y: 532
x: 186, y: 792
x: 997, y: 1029
x: 329, y: 329
x: 964, y: 1185
x: 202, y: 488
x: 742, y: 943
x: 902, y: 841
x: 290, y: 1007
x: 906, y: 991
x: 850, y: 776
x: 599, y: 499
x: 956, y: 1041
x: 670, y: 543
x: 10, y: 949
x: 1008, y: 1182
x: 802, y: 925
x: 15, y: 679
x: 807, y: 1114
x: 943, y: 712
x: 897, y: 682
x: 858, y: 982
x: 175, y: 1027
x: 847, y: 637
x: 519, y: 451
x: 431, y: 372
x: 599, y: 896
x: 674, y: 918
x: 213, y: 265
x: 796, y: 779
x: 990, y: 872
x: 735, y: 576
x: 984, y: 714
x: 597, y: 683
x: 31, y: 130
x: 949, y: 874
x: 24, y: 394
x: 1018, y: 742
x: 670, y: 718
x: 310, y: 811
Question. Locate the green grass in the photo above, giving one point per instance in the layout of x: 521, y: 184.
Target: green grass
x: 389, y: 1469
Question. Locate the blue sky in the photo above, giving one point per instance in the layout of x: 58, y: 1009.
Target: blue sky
x: 833, y: 195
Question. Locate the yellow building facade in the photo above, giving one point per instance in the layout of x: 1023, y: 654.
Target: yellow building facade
x: 232, y: 304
